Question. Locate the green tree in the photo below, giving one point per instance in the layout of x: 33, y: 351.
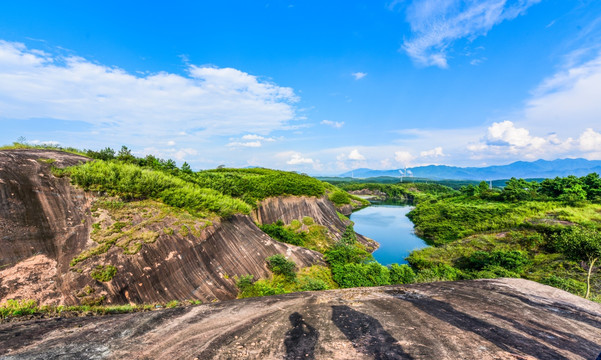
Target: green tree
x: 186, y: 168
x: 125, y: 155
x: 581, y: 244
x: 519, y: 190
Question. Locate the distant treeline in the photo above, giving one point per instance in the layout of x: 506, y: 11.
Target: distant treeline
x: 569, y: 189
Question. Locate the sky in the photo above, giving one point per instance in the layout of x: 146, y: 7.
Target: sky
x: 319, y: 87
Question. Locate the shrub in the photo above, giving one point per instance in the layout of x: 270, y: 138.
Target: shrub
x: 18, y: 308
x: 244, y: 283
x: 279, y: 265
x: 356, y: 275
x: 401, y: 274
x: 342, y: 254
x: 512, y: 260
x: 104, y: 272
x: 310, y: 284
x: 340, y: 197
x: 280, y: 233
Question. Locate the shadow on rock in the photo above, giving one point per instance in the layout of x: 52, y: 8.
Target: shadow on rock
x: 301, y: 339
x: 367, y: 334
x: 505, y: 339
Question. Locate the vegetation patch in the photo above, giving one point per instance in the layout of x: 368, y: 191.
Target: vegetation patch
x: 104, y: 273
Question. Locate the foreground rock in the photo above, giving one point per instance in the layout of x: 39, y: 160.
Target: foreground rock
x: 483, y: 319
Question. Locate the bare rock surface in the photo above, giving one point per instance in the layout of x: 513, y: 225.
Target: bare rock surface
x: 45, y: 222
x: 321, y: 210
x: 480, y: 319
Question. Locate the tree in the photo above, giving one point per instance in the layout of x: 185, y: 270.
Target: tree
x: 186, y: 168
x: 519, y: 189
x: 581, y: 244
x: 125, y: 155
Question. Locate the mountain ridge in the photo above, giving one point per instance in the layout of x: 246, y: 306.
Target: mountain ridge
x: 520, y: 169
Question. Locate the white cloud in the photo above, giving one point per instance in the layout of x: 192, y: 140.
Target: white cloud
x: 45, y: 142
x: 567, y: 102
x: 358, y: 75
x: 355, y: 155
x: 403, y: 157
x: 170, y: 143
x: 590, y: 141
x: 207, y: 101
x: 334, y: 124
x: 257, y: 137
x: 298, y: 159
x: 505, y: 139
x: 436, y: 152
x: 436, y: 24
x: 253, y: 144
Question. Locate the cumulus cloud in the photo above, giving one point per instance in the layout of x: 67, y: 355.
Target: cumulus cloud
x: 334, y: 124
x: 355, y: 155
x: 590, y: 141
x: 504, y: 138
x: 359, y: 75
x: 436, y: 24
x: 404, y: 157
x: 298, y: 159
x: 206, y: 100
x: 436, y: 152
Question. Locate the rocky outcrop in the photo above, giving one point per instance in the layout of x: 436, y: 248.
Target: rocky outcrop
x: 481, y: 319
x: 321, y: 210
x: 45, y: 223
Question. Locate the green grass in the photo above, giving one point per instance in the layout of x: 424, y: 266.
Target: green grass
x: 19, y: 145
x: 19, y: 308
x: 253, y: 185
x: 133, y: 181
x: 104, y: 273
x: 445, y: 220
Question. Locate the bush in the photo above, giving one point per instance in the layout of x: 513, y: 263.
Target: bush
x: 342, y: 254
x: 401, y: 274
x: 357, y: 275
x: 133, y: 181
x: 512, y: 260
x: 280, y: 233
x: 310, y: 284
x: 570, y: 285
x: 279, y: 265
x: 18, y: 308
x: 340, y: 197
x: 104, y: 273
x: 442, y: 272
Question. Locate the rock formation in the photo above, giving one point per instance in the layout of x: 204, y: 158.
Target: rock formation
x: 158, y: 254
x: 478, y: 319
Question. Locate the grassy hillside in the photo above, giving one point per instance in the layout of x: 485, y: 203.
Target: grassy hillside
x: 548, y: 232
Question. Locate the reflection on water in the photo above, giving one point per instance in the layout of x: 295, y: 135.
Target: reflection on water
x: 391, y: 228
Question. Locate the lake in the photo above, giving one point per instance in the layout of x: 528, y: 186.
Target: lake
x: 388, y: 224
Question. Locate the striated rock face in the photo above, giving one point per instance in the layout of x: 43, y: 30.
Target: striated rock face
x: 480, y: 319
x: 291, y: 208
x: 45, y: 223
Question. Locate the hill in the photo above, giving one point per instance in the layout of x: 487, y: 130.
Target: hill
x: 77, y: 232
x: 518, y: 169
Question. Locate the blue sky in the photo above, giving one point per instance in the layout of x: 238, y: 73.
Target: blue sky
x: 312, y: 86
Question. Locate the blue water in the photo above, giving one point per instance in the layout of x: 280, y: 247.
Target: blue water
x: 391, y: 228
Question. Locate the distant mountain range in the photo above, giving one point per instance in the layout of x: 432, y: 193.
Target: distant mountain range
x: 518, y: 169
